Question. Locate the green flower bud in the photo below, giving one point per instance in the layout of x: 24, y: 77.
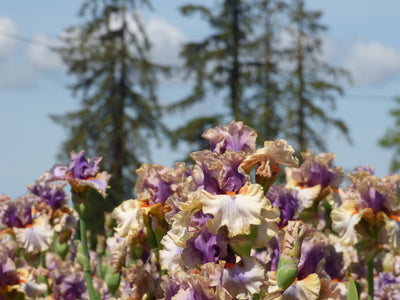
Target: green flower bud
x: 286, y: 272
x: 82, y: 260
x: 61, y: 249
x: 113, y: 281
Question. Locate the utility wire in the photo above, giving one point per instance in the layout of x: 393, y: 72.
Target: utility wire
x: 344, y: 97
x: 27, y: 40
x: 367, y: 97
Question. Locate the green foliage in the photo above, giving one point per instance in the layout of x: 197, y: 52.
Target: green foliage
x: 354, y: 290
x: 391, y: 138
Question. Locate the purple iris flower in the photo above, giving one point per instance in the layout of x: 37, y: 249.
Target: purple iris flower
x: 311, y: 255
x: 220, y: 172
x: 333, y: 262
x: 286, y: 200
x: 72, y: 287
x: 11, y: 217
x: 206, y: 247
x: 8, y: 272
x: 17, y: 213
x: 374, y: 199
x: 319, y: 174
x: 171, y: 289
x: 81, y: 168
x: 199, y: 219
x: 388, y: 284
x: 234, y: 136
x: 276, y: 252
x: 160, y: 188
x: 54, y: 196
x: 81, y: 173
x: 367, y: 168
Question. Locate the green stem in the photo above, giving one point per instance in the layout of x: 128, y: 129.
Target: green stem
x: 43, y: 264
x: 370, y: 279
x: 150, y: 234
x: 86, y: 266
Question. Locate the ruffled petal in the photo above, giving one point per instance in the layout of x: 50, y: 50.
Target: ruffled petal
x: 244, y: 278
x: 344, y: 220
x: 308, y: 288
x: 36, y: 237
x: 269, y: 157
x: 126, y: 215
x: 236, y: 211
x: 170, y: 255
x: 308, y: 195
x: 234, y: 136
x: 392, y: 226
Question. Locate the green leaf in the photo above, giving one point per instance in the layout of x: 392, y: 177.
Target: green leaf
x: 353, y: 293
x: 241, y: 245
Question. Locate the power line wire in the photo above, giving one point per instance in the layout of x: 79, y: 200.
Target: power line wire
x: 345, y: 97
x: 368, y: 97
x: 27, y: 40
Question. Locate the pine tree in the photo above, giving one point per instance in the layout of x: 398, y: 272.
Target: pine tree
x: 311, y: 84
x: 391, y: 139
x: 109, y: 57
x: 217, y: 64
x: 262, y: 103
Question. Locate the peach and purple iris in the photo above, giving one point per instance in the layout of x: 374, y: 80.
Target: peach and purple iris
x: 81, y: 173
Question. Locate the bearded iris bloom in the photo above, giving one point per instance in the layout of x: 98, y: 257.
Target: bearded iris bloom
x: 81, y: 174
x: 369, y: 204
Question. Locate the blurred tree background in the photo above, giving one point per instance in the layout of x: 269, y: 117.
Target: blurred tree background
x: 260, y: 59
x: 116, y: 81
x: 391, y: 138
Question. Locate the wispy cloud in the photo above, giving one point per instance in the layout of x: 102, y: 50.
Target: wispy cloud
x: 7, y: 45
x: 166, y: 40
x: 41, y: 55
x: 23, y: 60
x: 372, y: 63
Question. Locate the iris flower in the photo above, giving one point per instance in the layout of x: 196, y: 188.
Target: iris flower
x: 81, y: 174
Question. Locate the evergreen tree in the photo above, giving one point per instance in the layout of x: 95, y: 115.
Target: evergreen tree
x: 109, y: 57
x: 391, y: 139
x: 311, y: 84
x: 217, y: 63
x: 262, y: 102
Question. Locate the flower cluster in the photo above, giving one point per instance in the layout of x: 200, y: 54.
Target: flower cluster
x: 224, y: 227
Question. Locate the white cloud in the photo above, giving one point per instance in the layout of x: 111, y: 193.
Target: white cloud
x: 166, y: 40
x: 8, y: 32
x: 40, y: 54
x: 372, y: 63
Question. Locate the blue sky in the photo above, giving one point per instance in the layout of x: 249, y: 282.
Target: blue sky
x: 362, y: 37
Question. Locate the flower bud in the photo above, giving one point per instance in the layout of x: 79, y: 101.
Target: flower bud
x: 286, y: 272
x: 113, y: 281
